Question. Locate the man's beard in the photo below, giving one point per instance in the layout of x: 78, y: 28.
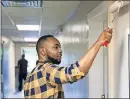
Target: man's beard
x: 52, y: 60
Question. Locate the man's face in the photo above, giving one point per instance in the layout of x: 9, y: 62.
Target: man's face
x: 53, y: 50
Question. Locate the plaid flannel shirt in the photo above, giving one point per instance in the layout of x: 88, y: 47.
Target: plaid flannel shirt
x: 45, y: 81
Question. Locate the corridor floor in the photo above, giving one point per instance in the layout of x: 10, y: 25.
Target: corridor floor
x: 16, y: 95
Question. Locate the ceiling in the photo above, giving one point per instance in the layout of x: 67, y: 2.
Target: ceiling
x: 50, y: 16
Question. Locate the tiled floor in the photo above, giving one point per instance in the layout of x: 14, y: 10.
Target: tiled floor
x: 15, y: 95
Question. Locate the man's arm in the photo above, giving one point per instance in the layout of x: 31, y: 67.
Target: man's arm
x: 62, y: 75
x: 27, y: 63
x: 86, y: 62
x: 18, y: 64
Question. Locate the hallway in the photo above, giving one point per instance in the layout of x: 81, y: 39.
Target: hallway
x: 77, y: 25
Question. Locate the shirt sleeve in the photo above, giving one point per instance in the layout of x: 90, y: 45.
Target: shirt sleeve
x: 18, y: 62
x: 61, y: 75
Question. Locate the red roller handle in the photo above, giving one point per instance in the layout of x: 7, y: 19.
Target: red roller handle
x: 105, y: 44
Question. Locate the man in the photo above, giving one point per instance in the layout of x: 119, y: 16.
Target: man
x: 22, y: 64
x: 46, y: 79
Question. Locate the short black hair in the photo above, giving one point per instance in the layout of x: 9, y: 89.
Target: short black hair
x: 40, y: 41
x: 23, y: 55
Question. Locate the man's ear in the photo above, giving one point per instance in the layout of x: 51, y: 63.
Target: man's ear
x: 43, y: 51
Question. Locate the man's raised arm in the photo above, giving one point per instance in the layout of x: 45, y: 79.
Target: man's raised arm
x: 86, y: 62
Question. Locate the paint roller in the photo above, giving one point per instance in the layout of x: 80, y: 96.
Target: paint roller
x: 115, y: 8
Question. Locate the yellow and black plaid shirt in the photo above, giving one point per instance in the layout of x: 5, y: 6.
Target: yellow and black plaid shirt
x: 46, y: 79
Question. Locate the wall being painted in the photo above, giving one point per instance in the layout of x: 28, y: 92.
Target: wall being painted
x: 118, y: 80
x: 118, y: 54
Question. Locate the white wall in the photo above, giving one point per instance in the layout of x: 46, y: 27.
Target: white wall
x: 119, y: 79
x: 8, y: 66
x: 118, y: 55
x: 18, y: 46
x: 12, y: 65
x: 97, y: 20
x: 96, y: 71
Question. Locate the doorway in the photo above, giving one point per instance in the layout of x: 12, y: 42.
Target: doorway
x: 30, y: 56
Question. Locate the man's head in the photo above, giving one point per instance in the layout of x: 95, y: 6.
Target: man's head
x: 49, y: 48
x: 23, y: 56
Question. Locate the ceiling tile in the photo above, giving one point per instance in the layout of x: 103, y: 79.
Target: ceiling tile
x: 23, y: 12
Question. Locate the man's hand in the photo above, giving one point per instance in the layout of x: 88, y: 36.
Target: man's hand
x: 105, y: 36
x: 16, y: 66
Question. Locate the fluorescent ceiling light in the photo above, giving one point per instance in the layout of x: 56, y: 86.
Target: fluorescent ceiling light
x: 28, y: 27
x: 31, y: 39
x: 22, y: 3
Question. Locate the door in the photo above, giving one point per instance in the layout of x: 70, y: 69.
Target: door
x: 129, y: 59
x: 30, y: 56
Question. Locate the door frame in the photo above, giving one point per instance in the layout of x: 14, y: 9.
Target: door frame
x: 129, y: 60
